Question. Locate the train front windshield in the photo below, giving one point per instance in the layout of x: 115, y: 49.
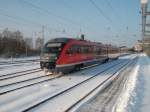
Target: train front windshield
x: 51, y: 52
x: 53, y: 48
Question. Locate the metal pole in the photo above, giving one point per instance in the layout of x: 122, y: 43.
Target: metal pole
x: 26, y: 51
x: 144, y: 11
x: 43, y: 27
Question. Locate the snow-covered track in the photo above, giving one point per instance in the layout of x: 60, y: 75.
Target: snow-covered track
x: 27, y: 83
x: 105, y: 83
x: 36, y: 96
x: 74, y: 86
x: 6, y: 88
x: 68, y: 90
x: 20, y: 73
x: 17, y: 62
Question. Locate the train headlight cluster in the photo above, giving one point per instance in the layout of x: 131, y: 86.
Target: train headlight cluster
x: 47, y: 58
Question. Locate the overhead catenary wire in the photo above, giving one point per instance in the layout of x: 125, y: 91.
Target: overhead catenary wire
x: 70, y: 9
x: 109, y: 4
x: 119, y: 18
x: 28, y: 22
x: 3, y: 13
x: 113, y: 11
x: 36, y: 7
x: 50, y: 13
x: 100, y: 11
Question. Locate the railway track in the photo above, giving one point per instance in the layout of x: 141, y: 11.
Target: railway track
x: 59, y: 93
x: 16, y: 63
x: 25, y: 83
x: 6, y: 88
x: 72, y: 88
x: 37, y: 103
x: 20, y: 73
x: 77, y: 104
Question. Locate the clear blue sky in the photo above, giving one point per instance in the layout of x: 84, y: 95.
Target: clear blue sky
x: 120, y: 23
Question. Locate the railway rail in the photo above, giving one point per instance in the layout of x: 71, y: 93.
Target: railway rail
x: 51, y: 88
x: 16, y: 64
x: 77, y: 104
x: 20, y: 73
x: 60, y: 92
x: 69, y: 90
x: 18, y: 85
x: 6, y: 88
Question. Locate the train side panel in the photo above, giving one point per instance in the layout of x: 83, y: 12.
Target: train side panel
x: 71, y: 60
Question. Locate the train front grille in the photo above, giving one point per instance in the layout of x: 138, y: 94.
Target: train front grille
x: 48, y: 65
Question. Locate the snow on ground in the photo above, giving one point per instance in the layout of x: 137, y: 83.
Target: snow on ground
x: 19, y: 59
x: 20, y: 67
x: 145, y: 72
x: 21, y: 99
x: 8, y: 68
x: 48, y: 88
x: 72, y: 96
x: 136, y: 95
x: 104, y: 100
x: 129, y: 93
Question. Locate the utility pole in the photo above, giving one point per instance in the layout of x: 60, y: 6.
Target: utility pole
x: 26, y: 50
x: 43, y: 31
x: 144, y: 15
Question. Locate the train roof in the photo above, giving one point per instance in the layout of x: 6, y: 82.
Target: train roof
x: 66, y: 39
x: 60, y: 40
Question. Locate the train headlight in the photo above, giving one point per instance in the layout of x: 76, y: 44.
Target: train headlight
x: 46, y: 58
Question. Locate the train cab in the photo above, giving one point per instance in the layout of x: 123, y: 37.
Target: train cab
x: 51, y: 52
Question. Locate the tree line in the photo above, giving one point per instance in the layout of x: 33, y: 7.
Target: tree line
x: 12, y: 43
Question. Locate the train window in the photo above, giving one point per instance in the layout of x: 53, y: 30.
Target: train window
x: 54, y: 44
x: 69, y: 51
x: 85, y: 49
x: 52, y: 48
x: 75, y: 49
x: 99, y: 51
x: 82, y: 49
x: 78, y: 49
x: 94, y: 49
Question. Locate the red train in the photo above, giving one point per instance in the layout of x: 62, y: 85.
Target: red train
x: 67, y: 54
